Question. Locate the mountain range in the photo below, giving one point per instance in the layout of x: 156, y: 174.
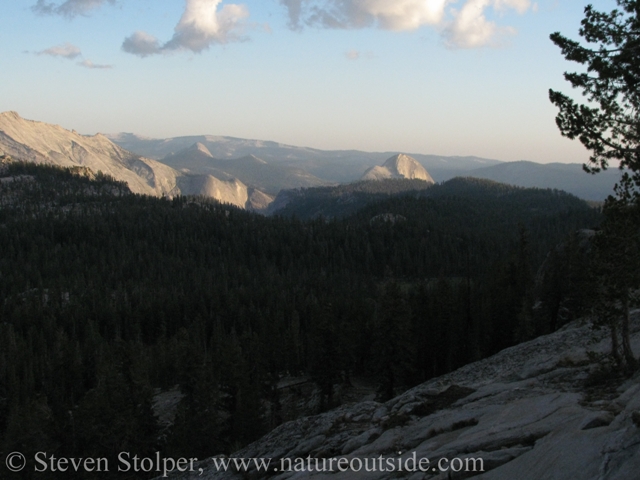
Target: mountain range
x: 333, y: 166
x: 569, y: 177
x: 250, y: 173
x: 327, y: 167
x: 253, y: 171
x: 40, y: 142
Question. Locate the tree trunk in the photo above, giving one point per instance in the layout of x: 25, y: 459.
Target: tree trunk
x: 615, y: 346
x: 630, y: 360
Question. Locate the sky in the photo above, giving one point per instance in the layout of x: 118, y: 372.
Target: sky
x: 444, y: 77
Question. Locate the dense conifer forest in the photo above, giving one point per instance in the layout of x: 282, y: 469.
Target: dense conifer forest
x: 107, y: 297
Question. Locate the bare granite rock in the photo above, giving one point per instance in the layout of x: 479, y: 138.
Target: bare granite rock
x: 525, y: 412
x: 39, y: 142
x: 398, y: 166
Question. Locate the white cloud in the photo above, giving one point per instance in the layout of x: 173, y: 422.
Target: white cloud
x: 89, y: 64
x: 385, y: 14
x: 69, y: 8
x: 470, y: 27
x: 141, y: 44
x: 71, y: 52
x: 466, y: 27
x: 521, y: 6
x: 66, y: 50
x: 202, y: 24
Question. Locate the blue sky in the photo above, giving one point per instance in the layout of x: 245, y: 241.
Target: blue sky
x: 448, y: 77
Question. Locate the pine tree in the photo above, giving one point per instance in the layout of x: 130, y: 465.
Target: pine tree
x: 609, y: 126
x: 395, y: 353
x: 617, y: 263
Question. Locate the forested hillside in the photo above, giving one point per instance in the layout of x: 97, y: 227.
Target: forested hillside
x: 106, y: 296
x: 340, y: 200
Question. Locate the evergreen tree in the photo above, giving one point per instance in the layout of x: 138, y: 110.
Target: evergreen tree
x: 324, y: 366
x: 394, y: 346
x: 617, y: 264
x: 609, y: 126
x: 115, y: 416
x: 106, y: 298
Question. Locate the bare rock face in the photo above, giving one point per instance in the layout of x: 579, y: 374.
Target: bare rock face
x: 40, y: 142
x: 524, y: 413
x: 43, y: 143
x: 202, y: 149
x: 258, y: 201
x: 398, y: 166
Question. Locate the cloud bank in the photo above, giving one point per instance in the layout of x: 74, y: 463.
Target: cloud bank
x: 463, y: 27
x: 202, y: 24
x: 69, y: 8
x: 461, y: 23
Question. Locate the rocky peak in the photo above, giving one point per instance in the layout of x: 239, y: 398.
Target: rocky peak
x: 11, y: 115
x: 199, y: 147
x: 405, y: 166
x: 39, y: 142
x: 398, y: 166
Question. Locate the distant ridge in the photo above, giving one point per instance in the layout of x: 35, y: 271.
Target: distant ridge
x: 332, y: 166
x: 569, y: 177
x: 344, y: 166
x: 250, y: 169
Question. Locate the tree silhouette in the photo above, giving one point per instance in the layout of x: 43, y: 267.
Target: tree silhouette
x: 609, y: 126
